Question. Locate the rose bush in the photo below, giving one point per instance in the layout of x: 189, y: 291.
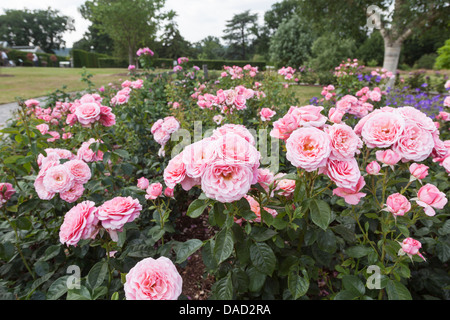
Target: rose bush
x: 342, y: 198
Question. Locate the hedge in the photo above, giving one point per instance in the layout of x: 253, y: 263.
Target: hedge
x: 112, y: 63
x: 86, y: 59
x: 44, y: 58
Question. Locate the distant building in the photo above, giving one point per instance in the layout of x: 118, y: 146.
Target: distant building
x: 33, y: 49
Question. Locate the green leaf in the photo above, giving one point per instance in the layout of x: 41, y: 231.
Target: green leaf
x: 196, y: 208
x: 257, y: 279
x: 23, y: 223
x: 58, y: 288
x: 353, y: 284
x: 358, y: 251
x: 320, y: 213
x: 345, y: 295
x: 51, y: 252
x: 79, y: 294
x: 208, y: 255
x: 397, y: 291
x: 186, y: 249
x: 223, y: 245
x: 97, y: 274
x: 223, y: 288
x: 298, y: 286
x: 261, y: 234
x: 263, y: 257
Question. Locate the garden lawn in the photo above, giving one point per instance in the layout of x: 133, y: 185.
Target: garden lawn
x: 304, y: 93
x: 29, y: 82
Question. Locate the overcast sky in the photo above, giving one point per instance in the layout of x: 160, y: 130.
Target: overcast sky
x: 196, y: 18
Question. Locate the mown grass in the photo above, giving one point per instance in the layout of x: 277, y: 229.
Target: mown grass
x: 29, y: 82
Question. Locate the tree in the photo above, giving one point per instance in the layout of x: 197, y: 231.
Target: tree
x: 396, y: 20
x: 210, y: 48
x: 291, y: 43
x: 129, y: 23
x: 278, y: 12
x: 238, y: 33
x: 173, y: 44
x: 443, y: 60
x: 43, y: 28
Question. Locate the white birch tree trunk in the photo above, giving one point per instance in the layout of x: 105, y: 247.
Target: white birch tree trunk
x: 391, y: 59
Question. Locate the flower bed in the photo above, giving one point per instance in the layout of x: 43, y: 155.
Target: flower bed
x: 345, y: 198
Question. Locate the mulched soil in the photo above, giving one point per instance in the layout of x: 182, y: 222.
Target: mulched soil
x: 196, y: 281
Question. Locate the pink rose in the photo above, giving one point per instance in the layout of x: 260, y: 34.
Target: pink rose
x: 308, y: 116
x: 344, y: 141
x: 168, y: 192
x: 256, y: 209
x: 415, y: 143
x: 175, y: 172
x: 143, y: 183
x: 154, y: 191
x: 410, y: 247
x: 266, y: 114
x: 88, y: 113
x: 283, y: 127
x: 80, y: 223
x: 351, y: 195
x: 86, y: 154
x: 335, y: 115
x: 419, y: 171
x: 287, y: 186
x: 152, y: 279
x: 238, y: 129
x: 382, y: 129
x: 43, y: 128
x: 107, y: 118
x: 73, y: 194
x: 170, y: 125
x: 397, y: 204
x: 345, y: 173
x: 80, y: 170
x: 430, y: 197
x: 55, y: 136
x: 388, y: 157
x: 373, y: 168
x: 115, y: 213
x: 265, y: 178
x: 58, y: 179
x: 6, y: 192
x: 227, y: 182
x: 308, y: 148
x: 197, y: 156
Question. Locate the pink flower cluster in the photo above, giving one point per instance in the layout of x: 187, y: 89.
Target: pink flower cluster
x: 144, y: 51
x: 89, y: 110
x: 66, y: 178
x: 182, y: 60
x: 410, y: 247
x: 228, y: 100
x: 306, y: 116
x: 122, y: 96
x: 266, y: 114
x: 225, y: 165
x: 358, y: 107
x: 287, y: 72
x: 84, y: 220
x: 237, y: 72
x: 6, y: 192
x: 153, y: 190
x: 327, y: 92
x: 162, y: 130
x: 409, y: 134
x: 153, y: 279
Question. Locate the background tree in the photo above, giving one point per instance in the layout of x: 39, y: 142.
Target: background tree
x: 210, y: 48
x: 173, y: 44
x: 291, y: 43
x: 396, y: 20
x: 239, y: 33
x: 129, y: 23
x: 43, y: 28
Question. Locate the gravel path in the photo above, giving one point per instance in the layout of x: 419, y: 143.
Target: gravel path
x: 7, y: 109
